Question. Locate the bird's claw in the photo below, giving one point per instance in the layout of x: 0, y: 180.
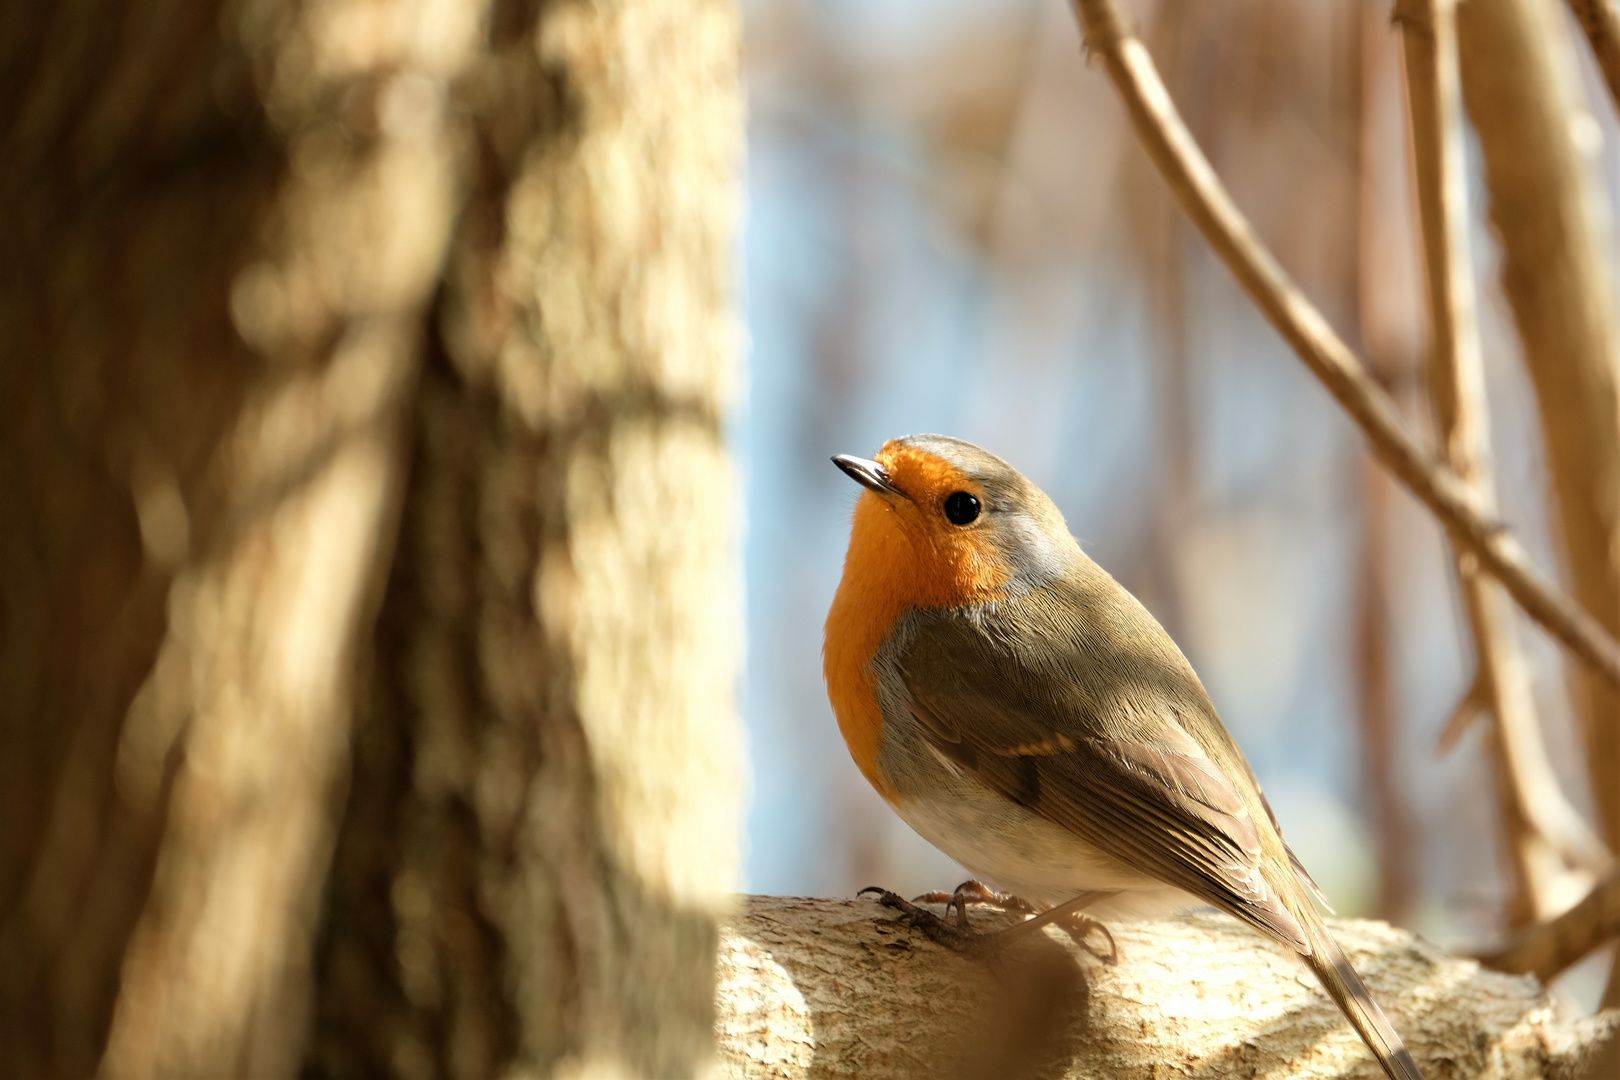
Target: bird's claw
x: 958, y: 937
x: 976, y: 892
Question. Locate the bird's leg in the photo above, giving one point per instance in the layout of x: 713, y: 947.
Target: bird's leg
x: 963, y: 939
x: 1080, y: 927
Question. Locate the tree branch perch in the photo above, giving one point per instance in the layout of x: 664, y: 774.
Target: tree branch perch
x: 829, y: 989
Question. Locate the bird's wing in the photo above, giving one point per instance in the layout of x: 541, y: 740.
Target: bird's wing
x: 1300, y: 872
x: 1090, y: 725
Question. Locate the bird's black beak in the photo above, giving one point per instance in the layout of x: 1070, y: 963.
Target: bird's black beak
x: 868, y: 474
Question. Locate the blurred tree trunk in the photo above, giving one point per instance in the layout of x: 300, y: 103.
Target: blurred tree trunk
x: 544, y: 812
x: 280, y: 277
x: 1520, y: 85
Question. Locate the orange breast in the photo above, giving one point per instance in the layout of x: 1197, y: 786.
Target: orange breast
x: 898, y: 561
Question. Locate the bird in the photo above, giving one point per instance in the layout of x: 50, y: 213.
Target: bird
x: 1026, y: 715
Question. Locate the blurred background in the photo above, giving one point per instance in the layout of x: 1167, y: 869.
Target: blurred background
x: 950, y: 229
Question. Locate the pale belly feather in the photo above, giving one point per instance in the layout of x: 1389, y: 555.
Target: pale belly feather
x: 1019, y: 851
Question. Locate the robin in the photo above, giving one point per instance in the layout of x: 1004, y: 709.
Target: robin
x: 1029, y: 718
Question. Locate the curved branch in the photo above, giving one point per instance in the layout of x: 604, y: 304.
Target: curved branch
x: 1549, y: 948
x: 830, y: 989
x: 1206, y: 201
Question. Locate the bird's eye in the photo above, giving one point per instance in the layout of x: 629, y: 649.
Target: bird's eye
x: 961, y: 508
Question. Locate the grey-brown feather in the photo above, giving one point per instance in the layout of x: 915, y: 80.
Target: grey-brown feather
x: 1073, y: 702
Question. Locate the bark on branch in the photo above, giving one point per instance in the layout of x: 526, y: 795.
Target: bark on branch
x: 826, y: 988
x: 1206, y: 201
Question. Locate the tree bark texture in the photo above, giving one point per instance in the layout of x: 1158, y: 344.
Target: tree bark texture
x: 543, y: 818
x: 1519, y: 85
x: 279, y: 277
x: 826, y: 989
x: 198, y: 483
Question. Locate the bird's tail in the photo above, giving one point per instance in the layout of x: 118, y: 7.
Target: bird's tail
x: 1356, y: 1002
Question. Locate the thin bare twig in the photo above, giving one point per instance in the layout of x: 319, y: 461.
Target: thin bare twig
x: 1462, y: 717
x: 1537, y: 822
x: 1601, y: 21
x: 1429, y: 57
x: 1546, y: 949
x: 1206, y: 201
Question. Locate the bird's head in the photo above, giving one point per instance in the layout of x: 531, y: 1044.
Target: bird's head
x: 943, y: 523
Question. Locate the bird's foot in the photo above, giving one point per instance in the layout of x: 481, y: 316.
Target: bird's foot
x: 976, y: 892
x: 959, y: 936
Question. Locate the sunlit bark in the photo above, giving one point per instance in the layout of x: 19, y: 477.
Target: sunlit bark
x: 827, y: 989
